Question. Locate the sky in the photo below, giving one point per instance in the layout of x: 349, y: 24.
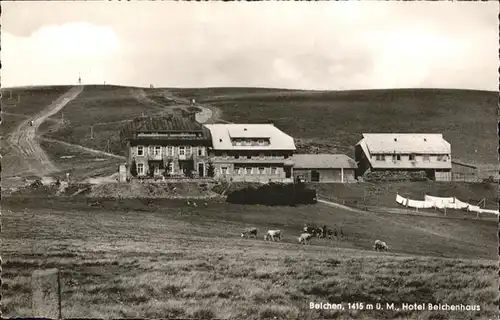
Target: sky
x: 296, y: 45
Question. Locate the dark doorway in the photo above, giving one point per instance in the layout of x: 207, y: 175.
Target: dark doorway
x: 314, y: 176
x: 201, y: 170
x: 288, y: 172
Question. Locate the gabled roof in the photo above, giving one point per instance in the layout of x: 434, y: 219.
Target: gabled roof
x: 164, y: 124
x: 222, y: 134
x: 405, y: 143
x: 323, y: 161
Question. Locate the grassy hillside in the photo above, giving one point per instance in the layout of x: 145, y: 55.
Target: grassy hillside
x: 104, y: 107
x: 384, y: 194
x: 335, y: 120
x: 152, y: 259
x: 79, y: 164
x: 32, y: 101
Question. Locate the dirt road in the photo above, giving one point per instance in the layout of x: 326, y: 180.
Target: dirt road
x: 24, y: 139
x: 208, y: 114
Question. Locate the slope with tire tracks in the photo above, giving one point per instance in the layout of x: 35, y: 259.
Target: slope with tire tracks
x: 24, y: 140
x: 208, y: 114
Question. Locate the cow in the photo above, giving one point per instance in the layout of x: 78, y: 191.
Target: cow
x: 380, y: 246
x: 324, y: 231
x: 305, y: 238
x: 247, y: 233
x: 314, y: 231
x: 272, y: 235
x: 31, y: 123
x: 342, y: 234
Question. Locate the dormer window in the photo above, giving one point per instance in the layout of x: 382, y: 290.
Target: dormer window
x: 260, y: 141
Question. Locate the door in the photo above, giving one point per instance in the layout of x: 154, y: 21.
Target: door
x: 288, y: 172
x: 201, y: 170
x: 315, y: 176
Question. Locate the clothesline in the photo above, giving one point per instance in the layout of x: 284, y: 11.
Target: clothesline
x: 441, y: 203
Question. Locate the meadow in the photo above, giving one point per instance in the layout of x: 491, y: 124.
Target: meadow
x: 383, y: 194
x: 152, y: 259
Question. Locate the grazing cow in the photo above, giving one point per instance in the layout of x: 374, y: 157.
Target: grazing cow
x: 324, y: 231
x: 312, y: 230
x: 380, y: 246
x: 342, y: 234
x: 206, y: 204
x: 273, y: 235
x: 305, y: 238
x: 194, y: 204
x: 249, y: 232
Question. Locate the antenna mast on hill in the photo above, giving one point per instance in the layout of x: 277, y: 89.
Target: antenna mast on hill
x: 79, y: 79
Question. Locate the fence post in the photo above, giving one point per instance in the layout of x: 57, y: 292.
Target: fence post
x: 46, y: 293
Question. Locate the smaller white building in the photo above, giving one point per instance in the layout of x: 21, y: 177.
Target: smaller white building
x: 251, y: 152
x: 428, y: 152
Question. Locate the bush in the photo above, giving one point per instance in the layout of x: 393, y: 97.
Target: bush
x: 133, y: 169
x: 210, y: 169
x: 274, y: 194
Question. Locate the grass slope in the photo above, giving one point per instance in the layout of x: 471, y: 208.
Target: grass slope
x: 106, y: 108
x: 334, y: 120
x: 162, y: 259
x: 32, y: 100
x: 384, y: 193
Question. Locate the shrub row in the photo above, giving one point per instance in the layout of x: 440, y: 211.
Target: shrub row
x: 273, y: 194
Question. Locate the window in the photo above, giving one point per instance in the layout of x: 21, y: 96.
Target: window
x: 140, y: 168
x: 379, y: 157
x: 426, y: 157
x: 201, y: 151
x: 396, y: 157
x: 262, y: 170
x: 445, y: 158
x: 140, y: 150
x: 237, y: 142
x: 236, y: 156
x: 225, y: 170
x: 249, y: 156
x: 170, y: 150
x: 412, y: 157
x: 248, y: 170
x: 189, y: 150
x: 261, y: 155
x: 274, y: 170
x: 182, y: 150
x: 151, y: 150
x: 156, y: 169
x: 261, y: 142
x: 157, y: 151
x: 286, y: 156
x: 224, y: 154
